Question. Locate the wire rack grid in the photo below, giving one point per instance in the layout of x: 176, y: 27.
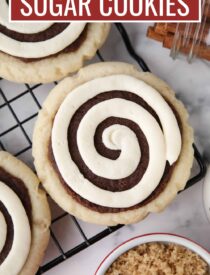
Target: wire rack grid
x: 8, y: 142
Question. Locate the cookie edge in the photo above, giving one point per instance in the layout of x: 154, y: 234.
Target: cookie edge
x: 47, y: 174
x: 41, y: 217
x: 54, y: 68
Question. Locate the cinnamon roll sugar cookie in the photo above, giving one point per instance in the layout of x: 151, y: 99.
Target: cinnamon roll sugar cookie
x: 24, y: 218
x: 45, y: 52
x: 112, y: 144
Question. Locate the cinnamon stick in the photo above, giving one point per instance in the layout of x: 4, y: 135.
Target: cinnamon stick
x: 171, y: 28
x: 206, y: 11
x: 202, y: 51
x: 161, y: 28
x: 164, y: 29
x: 151, y: 33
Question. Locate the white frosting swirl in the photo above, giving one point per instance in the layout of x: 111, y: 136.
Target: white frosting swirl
x: 18, y: 254
x: 164, y: 144
x: 3, y: 231
x: 36, y: 49
x: 119, y: 136
x: 20, y: 27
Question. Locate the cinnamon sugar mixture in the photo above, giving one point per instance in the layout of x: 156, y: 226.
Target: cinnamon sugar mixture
x: 159, y: 259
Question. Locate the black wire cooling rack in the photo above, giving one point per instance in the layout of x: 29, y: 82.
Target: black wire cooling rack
x: 19, y: 124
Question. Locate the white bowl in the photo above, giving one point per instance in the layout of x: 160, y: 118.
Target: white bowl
x: 154, y: 237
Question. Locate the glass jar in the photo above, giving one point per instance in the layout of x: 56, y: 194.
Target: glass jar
x: 191, y: 39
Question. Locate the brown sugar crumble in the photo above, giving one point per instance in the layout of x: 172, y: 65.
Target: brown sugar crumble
x: 159, y: 259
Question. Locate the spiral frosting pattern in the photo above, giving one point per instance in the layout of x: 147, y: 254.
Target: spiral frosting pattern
x: 15, y: 232
x: 112, y: 138
x: 31, y: 45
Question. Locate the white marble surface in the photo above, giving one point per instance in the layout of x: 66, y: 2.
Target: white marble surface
x: 186, y: 214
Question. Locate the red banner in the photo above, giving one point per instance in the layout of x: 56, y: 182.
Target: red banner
x: 105, y: 10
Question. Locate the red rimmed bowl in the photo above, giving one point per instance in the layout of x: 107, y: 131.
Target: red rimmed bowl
x: 149, y: 238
